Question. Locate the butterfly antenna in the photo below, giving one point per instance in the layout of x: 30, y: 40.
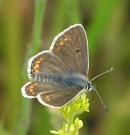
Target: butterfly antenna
x: 102, y: 74
x: 101, y: 101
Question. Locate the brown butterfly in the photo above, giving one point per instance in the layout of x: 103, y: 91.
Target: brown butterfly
x: 59, y: 74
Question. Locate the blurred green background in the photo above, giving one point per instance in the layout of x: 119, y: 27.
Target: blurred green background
x: 107, y: 23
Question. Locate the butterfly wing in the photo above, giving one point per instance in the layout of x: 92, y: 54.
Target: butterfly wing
x: 52, y: 95
x: 68, y: 54
x: 32, y: 89
x: 72, y: 48
x: 58, y: 98
x: 45, y: 63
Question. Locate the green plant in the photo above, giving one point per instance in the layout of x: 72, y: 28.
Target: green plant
x: 69, y: 112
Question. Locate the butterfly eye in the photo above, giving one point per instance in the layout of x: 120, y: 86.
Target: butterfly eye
x: 89, y: 86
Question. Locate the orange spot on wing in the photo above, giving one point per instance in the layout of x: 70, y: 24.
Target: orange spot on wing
x: 32, y: 85
x: 47, y: 98
x: 41, y: 59
x: 66, y: 39
x: 61, y: 43
x: 37, y: 66
x: 30, y: 90
x: 38, y: 61
x: 33, y: 93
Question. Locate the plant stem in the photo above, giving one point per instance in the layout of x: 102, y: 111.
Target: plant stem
x: 37, y: 28
x: 100, y: 21
x: 35, y: 47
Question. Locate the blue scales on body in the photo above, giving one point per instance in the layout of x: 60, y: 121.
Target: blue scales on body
x: 68, y: 80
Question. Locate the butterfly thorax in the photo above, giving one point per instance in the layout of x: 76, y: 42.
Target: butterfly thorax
x: 66, y: 80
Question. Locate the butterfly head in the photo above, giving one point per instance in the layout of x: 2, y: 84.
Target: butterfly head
x: 89, y: 86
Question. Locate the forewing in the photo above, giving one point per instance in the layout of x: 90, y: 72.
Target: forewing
x: 45, y: 63
x: 72, y: 48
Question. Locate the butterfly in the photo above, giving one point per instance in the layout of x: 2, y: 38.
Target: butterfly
x: 59, y: 74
